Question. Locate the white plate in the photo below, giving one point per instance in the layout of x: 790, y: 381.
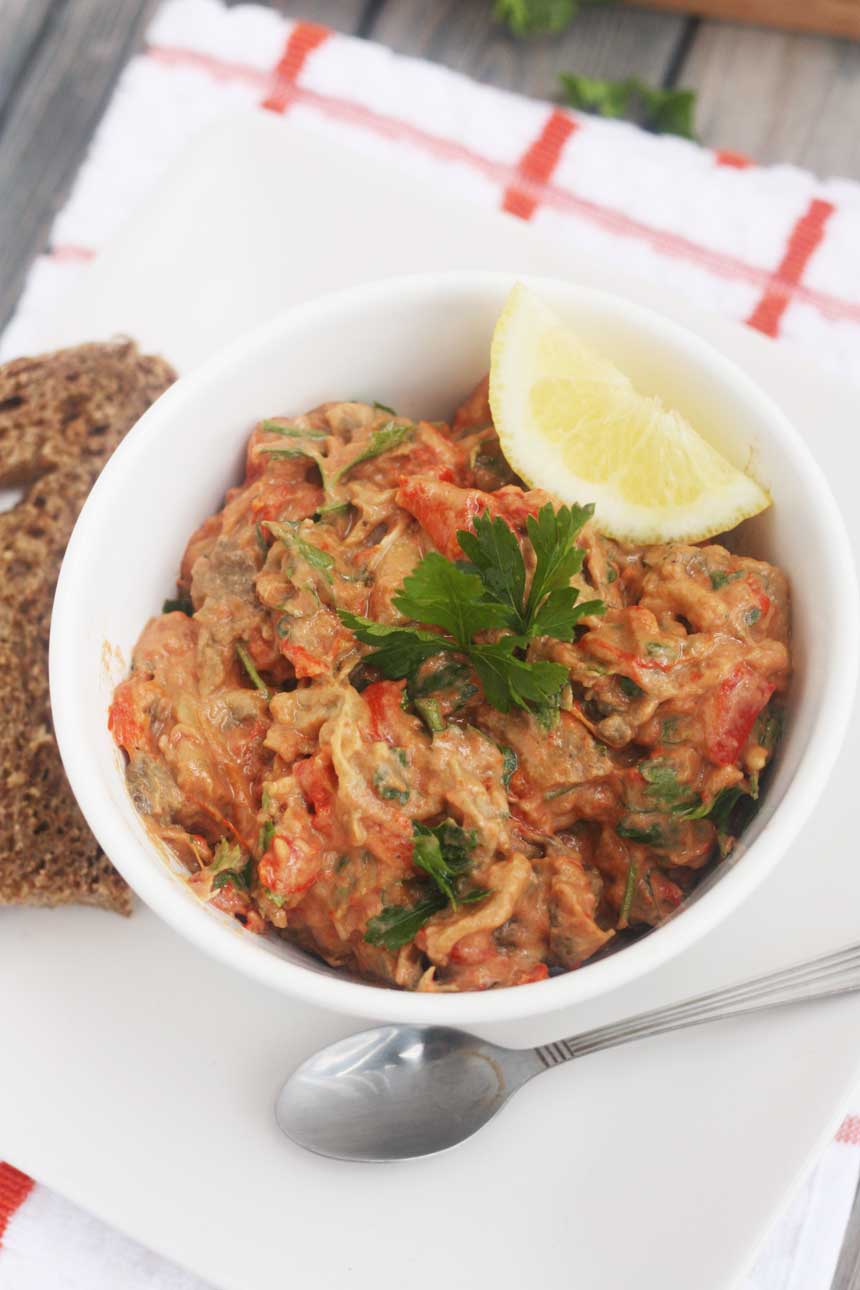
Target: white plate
x: 138, y: 1076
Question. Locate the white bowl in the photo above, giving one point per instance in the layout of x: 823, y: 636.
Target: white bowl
x: 419, y: 344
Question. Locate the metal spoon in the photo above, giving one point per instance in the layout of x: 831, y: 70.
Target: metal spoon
x: 398, y: 1092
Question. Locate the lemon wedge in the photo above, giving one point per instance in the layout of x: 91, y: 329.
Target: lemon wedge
x: 570, y: 422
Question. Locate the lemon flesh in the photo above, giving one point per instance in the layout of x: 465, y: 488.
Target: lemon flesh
x: 571, y: 422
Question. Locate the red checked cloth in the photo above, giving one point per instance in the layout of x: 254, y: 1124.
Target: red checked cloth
x: 773, y: 247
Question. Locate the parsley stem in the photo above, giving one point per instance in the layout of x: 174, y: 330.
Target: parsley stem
x: 248, y: 664
x: 431, y: 714
x: 627, y: 900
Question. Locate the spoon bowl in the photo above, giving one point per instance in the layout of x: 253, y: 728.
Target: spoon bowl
x: 397, y: 1092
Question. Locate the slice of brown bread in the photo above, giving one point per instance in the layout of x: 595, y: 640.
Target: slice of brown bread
x: 61, y: 416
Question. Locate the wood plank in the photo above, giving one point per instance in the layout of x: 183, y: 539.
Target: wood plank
x: 836, y: 17
x: 22, y: 23
x: 342, y: 15
x: 462, y: 34
x: 50, y: 121
x: 777, y: 97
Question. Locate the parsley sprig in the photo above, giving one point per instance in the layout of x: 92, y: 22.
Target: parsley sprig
x: 665, y: 111
x: 488, y: 592
x: 537, y: 17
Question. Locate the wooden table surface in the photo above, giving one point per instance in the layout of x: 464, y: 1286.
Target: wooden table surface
x: 773, y: 95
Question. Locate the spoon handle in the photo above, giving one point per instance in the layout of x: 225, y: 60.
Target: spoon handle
x: 820, y: 978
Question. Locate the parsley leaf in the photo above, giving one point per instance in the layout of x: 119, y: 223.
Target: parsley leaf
x: 668, y: 111
x: 553, y: 536
x: 442, y: 594
x: 559, y: 614
x: 427, y: 855
x: 457, y: 844
x: 535, y: 17
x: 494, y: 553
x: 665, y: 111
x: 508, y: 680
x: 389, y: 436
x: 603, y: 98
x: 398, y: 650
x: 397, y: 925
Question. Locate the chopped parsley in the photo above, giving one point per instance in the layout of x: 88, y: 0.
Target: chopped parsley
x: 629, y: 889
x: 289, y: 534
x: 442, y: 678
x: 397, y: 925
x: 651, y: 834
x: 444, y: 853
x: 720, y: 579
x: 292, y: 432
x: 178, y: 605
x: 665, y: 790
x: 228, y: 866
x: 387, y: 437
x: 768, y: 728
x: 390, y: 782
x: 431, y: 714
x: 510, y: 762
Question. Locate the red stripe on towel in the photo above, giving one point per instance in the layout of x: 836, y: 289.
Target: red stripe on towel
x: 725, y: 157
x: 849, y: 1131
x: 304, y: 38
x: 806, y: 237
x: 538, y: 163
x: 15, y: 1187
